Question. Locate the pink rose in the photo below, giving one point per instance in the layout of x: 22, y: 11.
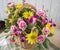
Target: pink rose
x: 46, y: 31
x: 41, y: 13
x: 41, y: 39
x: 22, y: 25
x: 19, y: 21
x: 11, y: 4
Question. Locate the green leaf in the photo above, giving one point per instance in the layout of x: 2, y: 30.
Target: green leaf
x: 6, y: 30
x: 46, y: 44
x: 28, y: 30
x: 39, y: 30
x: 40, y: 47
x: 40, y: 25
x: 51, y: 34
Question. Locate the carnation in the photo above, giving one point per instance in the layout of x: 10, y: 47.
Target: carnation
x: 40, y: 13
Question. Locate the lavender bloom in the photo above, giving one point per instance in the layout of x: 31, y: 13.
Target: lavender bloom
x: 23, y: 39
x: 26, y: 20
x: 44, y: 21
x: 52, y: 23
x: 15, y: 30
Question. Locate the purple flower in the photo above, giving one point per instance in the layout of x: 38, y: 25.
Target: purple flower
x: 44, y: 21
x: 26, y: 20
x: 15, y: 30
x: 33, y: 19
x: 52, y: 23
x: 23, y: 39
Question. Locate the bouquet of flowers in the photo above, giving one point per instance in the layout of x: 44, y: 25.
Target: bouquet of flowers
x: 28, y: 26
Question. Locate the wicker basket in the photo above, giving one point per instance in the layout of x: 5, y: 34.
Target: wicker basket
x: 24, y: 45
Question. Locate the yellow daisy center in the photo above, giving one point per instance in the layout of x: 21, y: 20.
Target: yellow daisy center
x: 28, y: 14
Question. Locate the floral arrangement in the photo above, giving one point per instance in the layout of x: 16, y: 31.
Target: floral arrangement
x: 28, y: 24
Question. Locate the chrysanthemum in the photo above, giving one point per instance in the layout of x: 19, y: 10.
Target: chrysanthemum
x: 32, y: 37
x: 19, y: 5
x: 28, y: 14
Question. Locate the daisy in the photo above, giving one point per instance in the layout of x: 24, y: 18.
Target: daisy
x: 32, y: 37
x: 28, y: 14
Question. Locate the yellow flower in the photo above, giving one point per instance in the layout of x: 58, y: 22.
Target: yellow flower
x: 8, y: 9
x: 28, y: 14
x: 32, y: 37
x: 50, y: 27
x: 10, y: 20
x: 19, y: 5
